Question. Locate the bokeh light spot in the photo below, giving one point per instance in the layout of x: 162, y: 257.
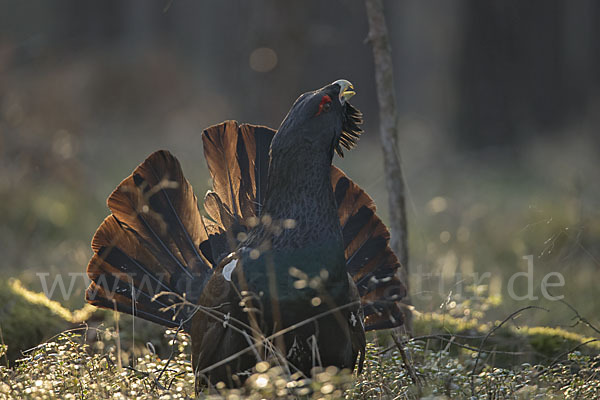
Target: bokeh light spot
x: 445, y: 237
x: 263, y: 59
x: 437, y: 205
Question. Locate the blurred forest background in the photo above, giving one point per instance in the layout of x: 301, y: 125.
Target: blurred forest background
x: 499, y: 108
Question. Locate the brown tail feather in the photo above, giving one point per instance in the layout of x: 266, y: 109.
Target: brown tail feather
x: 153, y: 242
x: 369, y: 259
x: 118, y: 251
x: 158, y: 203
x: 238, y: 161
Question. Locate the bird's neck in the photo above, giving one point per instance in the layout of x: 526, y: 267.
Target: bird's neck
x: 299, y: 189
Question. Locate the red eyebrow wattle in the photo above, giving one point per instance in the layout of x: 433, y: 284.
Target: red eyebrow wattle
x: 324, y: 100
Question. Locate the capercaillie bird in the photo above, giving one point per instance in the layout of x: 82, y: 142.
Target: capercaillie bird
x: 289, y: 261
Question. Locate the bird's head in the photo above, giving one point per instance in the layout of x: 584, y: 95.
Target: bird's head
x: 321, y: 120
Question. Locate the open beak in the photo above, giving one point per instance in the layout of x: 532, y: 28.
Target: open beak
x: 346, y: 90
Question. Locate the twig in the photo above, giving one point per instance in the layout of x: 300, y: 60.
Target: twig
x: 109, y: 362
x: 510, y: 317
x: 173, y: 378
x: 561, y: 355
x: 407, y: 364
x: 116, y: 317
x: 79, y: 328
x: 584, y: 320
x: 173, y: 343
x: 211, y: 312
x: 145, y: 375
x: 467, y: 347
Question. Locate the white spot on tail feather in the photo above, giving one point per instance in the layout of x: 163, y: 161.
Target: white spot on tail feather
x: 353, y: 320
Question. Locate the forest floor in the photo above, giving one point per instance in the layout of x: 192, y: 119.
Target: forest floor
x: 447, y: 358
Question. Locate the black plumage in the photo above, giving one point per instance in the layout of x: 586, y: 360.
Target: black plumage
x: 277, y: 206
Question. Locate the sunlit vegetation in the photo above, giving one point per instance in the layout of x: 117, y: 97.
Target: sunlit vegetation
x: 449, y: 357
x: 70, y: 366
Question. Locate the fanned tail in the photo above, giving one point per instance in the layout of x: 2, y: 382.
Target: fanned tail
x: 369, y: 258
x: 155, y: 241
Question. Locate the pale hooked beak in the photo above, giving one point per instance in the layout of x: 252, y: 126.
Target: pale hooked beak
x: 346, y: 90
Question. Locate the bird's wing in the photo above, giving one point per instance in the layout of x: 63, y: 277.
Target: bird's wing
x: 220, y: 328
x: 209, y: 324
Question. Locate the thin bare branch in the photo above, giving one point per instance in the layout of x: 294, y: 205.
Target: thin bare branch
x: 388, y: 120
x: 580, y: 318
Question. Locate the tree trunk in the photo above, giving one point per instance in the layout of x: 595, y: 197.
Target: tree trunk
x: 388, y: 120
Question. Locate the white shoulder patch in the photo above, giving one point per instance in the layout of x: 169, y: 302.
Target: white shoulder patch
x: 228, y: 269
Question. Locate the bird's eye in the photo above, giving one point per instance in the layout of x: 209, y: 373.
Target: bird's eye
x: 324, y: 105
